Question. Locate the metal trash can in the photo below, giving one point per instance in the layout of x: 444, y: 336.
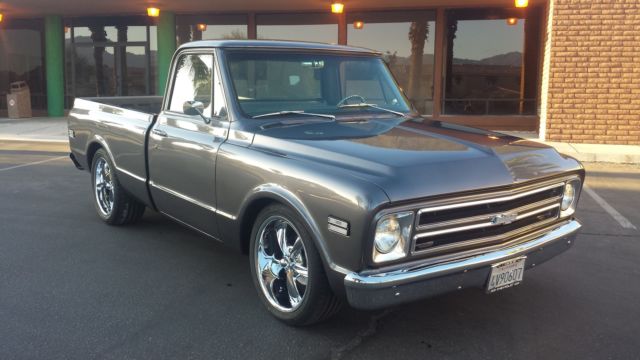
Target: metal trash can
x: 19, y: 100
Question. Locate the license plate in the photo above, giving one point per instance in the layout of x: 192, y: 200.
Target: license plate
x: 506, y: 274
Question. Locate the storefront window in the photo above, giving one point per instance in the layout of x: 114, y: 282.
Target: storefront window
x: 211, y: 27
x: 110, y: 60
x: 484, y: 69
x: 407, y: 41
x: 21, y: 59
x: 298, y: 27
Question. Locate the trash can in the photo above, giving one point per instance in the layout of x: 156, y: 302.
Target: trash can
x: 19, y: 100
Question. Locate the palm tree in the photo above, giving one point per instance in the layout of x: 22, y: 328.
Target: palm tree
x: 99, y: 35
x: 418, y: 34
x: 121, y: 58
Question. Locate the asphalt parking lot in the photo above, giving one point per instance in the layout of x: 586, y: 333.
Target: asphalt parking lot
x: 74, y: 288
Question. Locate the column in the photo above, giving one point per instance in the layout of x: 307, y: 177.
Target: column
x: 166, y: 47
x: 54, y: 64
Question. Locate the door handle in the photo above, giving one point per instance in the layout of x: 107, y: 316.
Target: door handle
x: 159, y: 132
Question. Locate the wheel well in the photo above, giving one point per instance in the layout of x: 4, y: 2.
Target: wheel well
x: 95, y: 146
x: 249, y: 218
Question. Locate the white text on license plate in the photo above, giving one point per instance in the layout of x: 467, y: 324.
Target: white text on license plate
x: 506, y: 274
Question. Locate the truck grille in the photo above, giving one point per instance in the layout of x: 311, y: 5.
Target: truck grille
x: 486, y: 219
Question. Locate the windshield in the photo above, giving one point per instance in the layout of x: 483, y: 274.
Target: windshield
x: 272, y: 82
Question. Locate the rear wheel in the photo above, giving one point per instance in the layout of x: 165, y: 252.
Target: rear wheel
x: 113, y: 204
x: 287, y: 269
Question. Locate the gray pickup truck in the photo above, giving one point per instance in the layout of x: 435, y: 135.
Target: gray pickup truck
x: 309, y: 158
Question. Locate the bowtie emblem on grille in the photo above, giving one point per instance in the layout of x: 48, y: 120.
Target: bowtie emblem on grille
x: 504, y: 219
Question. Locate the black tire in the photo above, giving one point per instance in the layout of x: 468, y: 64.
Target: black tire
x: 124, y: 208
x: 318, y: 301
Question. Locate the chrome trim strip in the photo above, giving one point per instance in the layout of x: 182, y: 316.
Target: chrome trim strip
x: 487, y: 216
x: 338, y: 222
x: 408, y: 275
x: 490, y: 200
x: 480, y: 241
x: 485, y: 224
x: 139, y: 178
x: 338, y: 230
x: 192, y: 200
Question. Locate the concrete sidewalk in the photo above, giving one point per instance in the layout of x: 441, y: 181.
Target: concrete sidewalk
x: 55, y: 130
x: 34, y: 129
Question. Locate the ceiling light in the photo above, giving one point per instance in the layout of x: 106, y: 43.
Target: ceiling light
x: 522, y: 3
x: 153, y: 12
x: 358, y: 24
x: 202, y: 27
x: 337, y: 7
x: 512, y: 21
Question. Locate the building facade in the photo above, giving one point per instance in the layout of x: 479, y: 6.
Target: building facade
x: 567, y: 69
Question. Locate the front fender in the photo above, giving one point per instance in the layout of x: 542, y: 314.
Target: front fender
x: 287, y: 197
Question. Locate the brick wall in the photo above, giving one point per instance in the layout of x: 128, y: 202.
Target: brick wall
x: 594, y: 72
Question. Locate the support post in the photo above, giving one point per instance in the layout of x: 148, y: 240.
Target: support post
x: 166, y: 47
x: 54, y: 64
x: 342, y: 29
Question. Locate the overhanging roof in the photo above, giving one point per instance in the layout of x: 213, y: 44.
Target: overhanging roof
x: 74, y: 8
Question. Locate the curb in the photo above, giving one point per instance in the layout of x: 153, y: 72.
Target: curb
x: 617, y: 154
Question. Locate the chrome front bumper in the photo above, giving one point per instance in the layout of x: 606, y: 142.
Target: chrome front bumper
x: 383, y: 289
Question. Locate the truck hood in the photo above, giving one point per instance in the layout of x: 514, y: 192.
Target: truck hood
x: 418, y: 159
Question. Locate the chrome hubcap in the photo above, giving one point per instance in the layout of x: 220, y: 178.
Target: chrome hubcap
x: 281, y: 263
x: 104, y: 187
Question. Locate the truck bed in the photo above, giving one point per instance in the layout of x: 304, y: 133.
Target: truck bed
x: 120, y: 125
x: 143, y: 104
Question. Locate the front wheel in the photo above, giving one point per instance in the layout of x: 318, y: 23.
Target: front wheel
x: 114, y: 205
x: 287, y: 269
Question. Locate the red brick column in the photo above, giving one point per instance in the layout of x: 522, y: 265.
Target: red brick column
x: 594, y: 72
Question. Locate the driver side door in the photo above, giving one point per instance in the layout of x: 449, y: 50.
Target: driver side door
x: 183, y: 146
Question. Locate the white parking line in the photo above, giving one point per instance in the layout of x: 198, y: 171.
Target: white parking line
x: 33, y: 163
x: 623, y: 221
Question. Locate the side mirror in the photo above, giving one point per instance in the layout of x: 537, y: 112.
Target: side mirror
x: 195, y: 108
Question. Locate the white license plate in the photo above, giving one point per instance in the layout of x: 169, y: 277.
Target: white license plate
x: 506, y: 274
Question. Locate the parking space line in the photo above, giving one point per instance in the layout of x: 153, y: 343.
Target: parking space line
x: 623, y: 221
x: 33, y: 163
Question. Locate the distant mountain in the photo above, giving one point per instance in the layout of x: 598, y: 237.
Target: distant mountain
x: 513, y: 58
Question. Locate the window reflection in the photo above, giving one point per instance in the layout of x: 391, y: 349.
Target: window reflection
x: 407, y: 42
x: 211, y: 27
x: 110, y: 60
x: 21, y: 59
x: 484, y: 65
x: 298, y: 27
x: 192, y: 83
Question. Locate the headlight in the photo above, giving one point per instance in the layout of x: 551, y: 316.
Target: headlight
x: 569, y: 197
x: 392, y: 237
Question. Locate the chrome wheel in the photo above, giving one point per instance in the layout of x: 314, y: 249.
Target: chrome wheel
x: 281, y: 263
x: 103, y: 186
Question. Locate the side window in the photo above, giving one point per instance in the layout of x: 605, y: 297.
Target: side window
x: 193, y: 82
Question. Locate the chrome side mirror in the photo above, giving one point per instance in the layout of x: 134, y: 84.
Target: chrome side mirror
x: 195, y: 108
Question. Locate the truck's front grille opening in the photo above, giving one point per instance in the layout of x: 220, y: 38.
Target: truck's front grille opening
x: 486, y: 220
x: 490, y: 234
x: 434, y: 217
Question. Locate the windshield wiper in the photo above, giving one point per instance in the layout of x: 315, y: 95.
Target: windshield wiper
x: 293, y: 112
x: 373, y: 106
